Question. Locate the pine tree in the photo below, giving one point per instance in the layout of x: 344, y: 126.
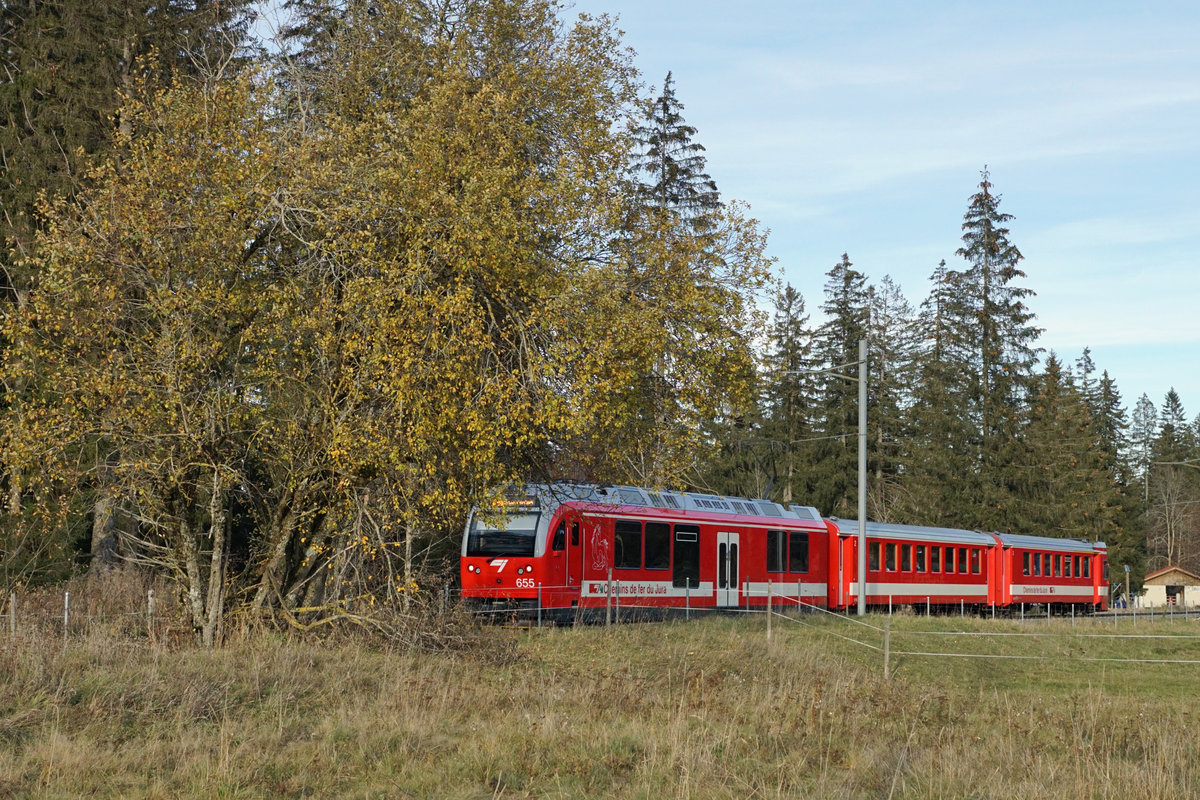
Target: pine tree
x: 892, y: 346
x: 790, y: 397
x: 1065, y: 485
x: 847, y: 309
x: 942, y: 484
x: 1003, y: 342
x: 673, y: 164
x: 1142, y: 434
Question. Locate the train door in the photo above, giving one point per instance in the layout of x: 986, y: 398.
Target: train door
x: 574, y: 553
x: 728, y: 574
x: 554, y: 580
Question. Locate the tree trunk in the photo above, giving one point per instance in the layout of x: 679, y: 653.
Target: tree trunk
x: 282, y: 527
x: 217, y: 515
x: 105, y: 537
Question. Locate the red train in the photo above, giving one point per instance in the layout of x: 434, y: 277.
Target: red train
x: 572, y: 548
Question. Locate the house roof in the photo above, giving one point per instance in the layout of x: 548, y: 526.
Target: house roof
x: 1193, y: 578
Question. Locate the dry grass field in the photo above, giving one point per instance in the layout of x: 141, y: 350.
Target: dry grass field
x: 706, y: 709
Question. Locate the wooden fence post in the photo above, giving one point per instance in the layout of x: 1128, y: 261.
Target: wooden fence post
x: 150, y: 617
x: 768, y: 611
x: 608, y: 600
x: 887, y: 648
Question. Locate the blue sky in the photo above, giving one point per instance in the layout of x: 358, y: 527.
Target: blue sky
x: 862, y: 127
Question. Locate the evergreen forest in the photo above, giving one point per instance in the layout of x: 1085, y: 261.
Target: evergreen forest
x: 272, y: 319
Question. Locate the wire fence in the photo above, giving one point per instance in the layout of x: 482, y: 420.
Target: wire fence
x: 43, y: 617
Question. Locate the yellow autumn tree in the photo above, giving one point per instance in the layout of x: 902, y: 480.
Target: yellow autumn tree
x: 308, y: 319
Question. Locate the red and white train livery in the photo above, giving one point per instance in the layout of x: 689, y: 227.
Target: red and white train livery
x: 581, y: 548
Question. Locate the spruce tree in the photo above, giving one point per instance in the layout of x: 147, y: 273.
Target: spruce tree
x: 847, y: 309
x: 1142, y: 433
x: 790, y: 398
x: 1065, y: 485
x: 1003, y: 342
x: 892, y: 347
x: 942, y: 481
x: 672, y: 163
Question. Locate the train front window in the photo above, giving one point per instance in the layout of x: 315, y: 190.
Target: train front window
x: 512, y: 535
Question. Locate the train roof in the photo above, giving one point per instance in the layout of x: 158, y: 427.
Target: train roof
x: 889, y: 530
x: 849, y: 527
x: 555, y: 494
x: 1048, y: 543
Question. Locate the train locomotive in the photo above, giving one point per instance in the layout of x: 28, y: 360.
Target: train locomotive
x: 575, y: 551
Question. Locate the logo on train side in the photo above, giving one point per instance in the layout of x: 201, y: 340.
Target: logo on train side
x: 597, y: 545
x: 499, y: 564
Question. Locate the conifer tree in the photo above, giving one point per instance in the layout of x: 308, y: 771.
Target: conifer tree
x: 790, y: 397
x: 1065, y: 487
x: 1142, y: 433
x: 892, y: 346
x: 672, y: 163
x: 1003, y: 348
x: 942, y: 484
x: 847, y: 309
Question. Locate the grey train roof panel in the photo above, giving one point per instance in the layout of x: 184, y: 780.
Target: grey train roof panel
x: 553, y: 495
x: 1043, y: 543
x: 888, y: 530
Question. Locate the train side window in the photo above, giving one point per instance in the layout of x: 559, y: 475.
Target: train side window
x: 906, y: 557
x: 890, y: 549
x: 935, y: 559
x: 1046, y: 564
x: 1025, y: 563
x: 658, y: 545
x: 627, y: 544
x: 976, y: 561
x: 873, y: 556
x: 798, y: 552
x: 1078, y: 573
x: 962, y: 559
x: 1087, y: 568
x: 1057, y: 565
x: 560, y: 537
x: 920, y: 558
x: 574, y: 534
x: 775, y: 551
x: 685, y: 569
x: 949, y: 559
x: 1066, y: 566
x: 1037, y: 564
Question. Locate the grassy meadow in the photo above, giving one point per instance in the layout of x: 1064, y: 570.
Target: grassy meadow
x: 703, y: 709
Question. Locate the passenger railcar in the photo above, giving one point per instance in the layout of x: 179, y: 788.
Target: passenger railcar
x: 575, y: 550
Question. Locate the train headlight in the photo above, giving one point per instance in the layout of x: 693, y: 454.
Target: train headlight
x: 520, y: 571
